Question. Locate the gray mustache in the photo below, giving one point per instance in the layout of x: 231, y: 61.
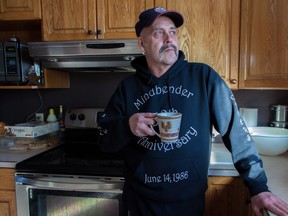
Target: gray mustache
x: 163, y: 48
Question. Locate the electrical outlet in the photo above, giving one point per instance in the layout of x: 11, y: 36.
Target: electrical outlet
x: 39, y: 117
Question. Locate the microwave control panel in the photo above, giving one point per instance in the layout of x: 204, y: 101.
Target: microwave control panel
x: 11, y: 57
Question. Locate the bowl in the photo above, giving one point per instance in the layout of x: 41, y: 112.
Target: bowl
x: 270, y: 140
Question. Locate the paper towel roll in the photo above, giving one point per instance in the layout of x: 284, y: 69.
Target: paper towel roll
x: 250, y: 116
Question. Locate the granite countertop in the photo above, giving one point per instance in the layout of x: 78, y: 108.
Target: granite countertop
x: 276, y: 167
x: 221, y: 162
x: 9, y: 158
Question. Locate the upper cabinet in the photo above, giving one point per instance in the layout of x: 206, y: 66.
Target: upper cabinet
x: 117, y: 19
x: 245, y: 41
x: 20, y: 10
x: 264, y: 44
x: 210, y: 34
x: 90, y: 19
x: 68, y: 20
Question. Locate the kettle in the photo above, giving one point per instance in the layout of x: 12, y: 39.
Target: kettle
x: 279, y: 116
x: 14, y: 39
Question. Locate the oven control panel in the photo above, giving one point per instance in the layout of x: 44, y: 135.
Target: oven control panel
x: 82, y: 117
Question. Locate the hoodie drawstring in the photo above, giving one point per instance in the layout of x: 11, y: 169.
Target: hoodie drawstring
x: 169, y: 94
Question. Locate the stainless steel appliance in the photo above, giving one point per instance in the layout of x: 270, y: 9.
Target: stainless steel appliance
x: 75, y: 178
x: 15, y: 62
x: 86, y: 56
x: 279, y: 116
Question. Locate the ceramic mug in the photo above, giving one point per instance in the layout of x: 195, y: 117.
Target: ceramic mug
x: 169, y: 126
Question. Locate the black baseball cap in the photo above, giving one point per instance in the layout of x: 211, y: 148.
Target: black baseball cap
x: 147, y: 17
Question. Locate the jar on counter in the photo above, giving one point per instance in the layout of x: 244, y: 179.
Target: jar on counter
x: 279, y: 116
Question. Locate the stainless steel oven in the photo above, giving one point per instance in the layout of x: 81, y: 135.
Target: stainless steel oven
x: 66, y: 195
x: 73, y: 179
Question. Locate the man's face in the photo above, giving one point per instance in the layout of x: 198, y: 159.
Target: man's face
x: 159, y: 42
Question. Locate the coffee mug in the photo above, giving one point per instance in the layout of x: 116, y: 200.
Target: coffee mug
x: 169, y: 126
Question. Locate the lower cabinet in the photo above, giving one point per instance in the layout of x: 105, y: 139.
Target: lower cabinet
x: 7, y: 192
x: 227, y: 196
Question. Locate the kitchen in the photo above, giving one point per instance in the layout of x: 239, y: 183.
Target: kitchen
x: 97, y: 88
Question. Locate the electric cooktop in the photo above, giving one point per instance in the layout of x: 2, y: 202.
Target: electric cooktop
x: 79, y: 154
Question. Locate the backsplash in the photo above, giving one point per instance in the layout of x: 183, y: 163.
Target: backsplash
x: 94, y: 90
x: 261, y: 99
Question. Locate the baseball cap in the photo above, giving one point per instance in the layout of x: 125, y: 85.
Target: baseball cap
x: 147, y: 17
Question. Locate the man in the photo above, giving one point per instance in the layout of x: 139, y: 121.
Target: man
x: 171, y: 178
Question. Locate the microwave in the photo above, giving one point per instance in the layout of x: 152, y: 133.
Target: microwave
x: 15, y: 62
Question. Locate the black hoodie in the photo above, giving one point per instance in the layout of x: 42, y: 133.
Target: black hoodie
x: 171, y: 172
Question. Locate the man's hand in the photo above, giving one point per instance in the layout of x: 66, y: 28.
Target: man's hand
x: 269, y: 201
x: 140, y: 124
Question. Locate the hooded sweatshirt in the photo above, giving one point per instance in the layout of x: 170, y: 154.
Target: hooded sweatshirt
x: 176, y: 172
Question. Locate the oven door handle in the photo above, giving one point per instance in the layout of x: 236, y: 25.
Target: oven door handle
x: 70, y: 183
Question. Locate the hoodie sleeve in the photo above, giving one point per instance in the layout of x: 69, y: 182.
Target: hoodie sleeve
x: 113, y: 131
x: 237, y: 139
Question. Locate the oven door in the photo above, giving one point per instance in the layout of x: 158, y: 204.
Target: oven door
x: 44, y: 195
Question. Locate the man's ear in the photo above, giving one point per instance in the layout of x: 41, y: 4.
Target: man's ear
x: 140, y: 44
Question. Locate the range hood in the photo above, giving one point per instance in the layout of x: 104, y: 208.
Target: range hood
x: 85, y: 56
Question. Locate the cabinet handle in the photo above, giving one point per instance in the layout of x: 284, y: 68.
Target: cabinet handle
x: 234, y: 81
x: 90, y: 32
x: 98, y: 32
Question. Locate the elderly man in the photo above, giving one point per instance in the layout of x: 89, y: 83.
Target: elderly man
x: 164, y: 178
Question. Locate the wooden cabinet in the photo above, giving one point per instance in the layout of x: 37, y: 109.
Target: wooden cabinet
x: 226, y: 196
x: 68, y: 19
x: 90, y: 19
x: 264, y: 44
x: 117, y: 19
x: 245, y: 41
x: 7, y: 192
x: 210, y: 34
x: 20, y: 10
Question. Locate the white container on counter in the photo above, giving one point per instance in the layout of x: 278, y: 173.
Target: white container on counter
x: 250, y: 116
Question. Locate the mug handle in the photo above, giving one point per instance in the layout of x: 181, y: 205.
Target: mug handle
x: 155, y: 131
x: 152, y: 128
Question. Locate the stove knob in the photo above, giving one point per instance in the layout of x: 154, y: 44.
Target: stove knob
x: 72, y: 116
x: 81, y: 117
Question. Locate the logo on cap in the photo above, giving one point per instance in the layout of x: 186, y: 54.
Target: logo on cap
x: 159, y: 10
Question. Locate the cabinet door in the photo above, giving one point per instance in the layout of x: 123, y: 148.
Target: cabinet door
x: 225, y: 197
x: 116, y: 19
x: 68, y: 19
x: 20, y: 10
x: 7, y: 179
x: 7, y: 192
x: 210, y: 34
x: 91, y: 19
x: 7, y: 203
x: 264, y: 44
